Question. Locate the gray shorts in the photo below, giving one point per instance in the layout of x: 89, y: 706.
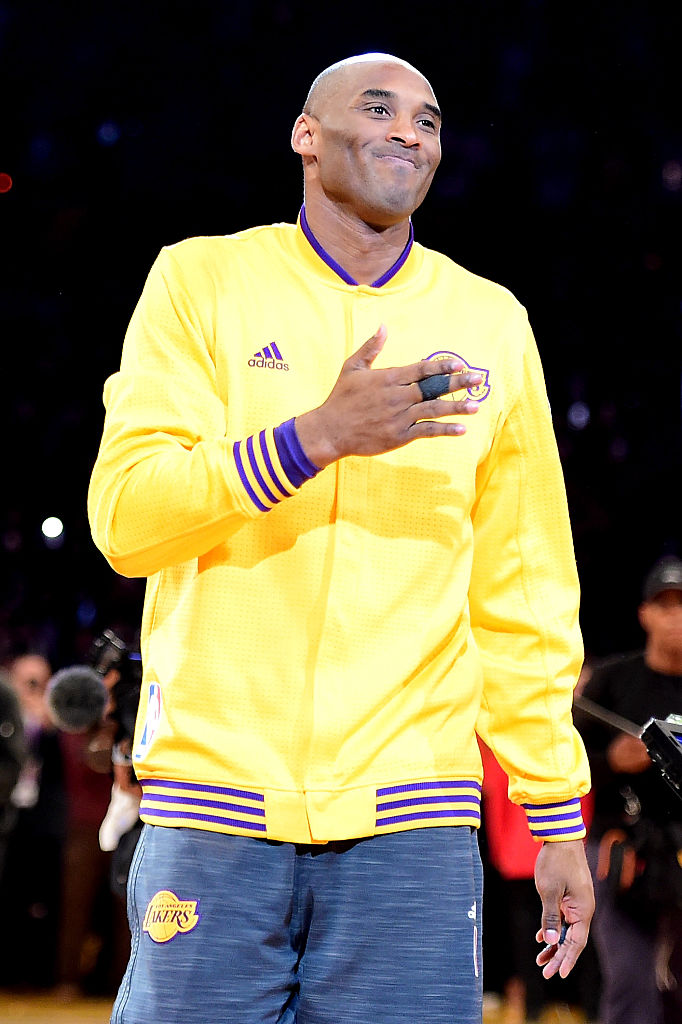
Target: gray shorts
x: 234, y: 930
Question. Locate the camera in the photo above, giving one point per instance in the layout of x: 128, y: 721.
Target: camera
x: 108, y: 654
x: 661, y: 737
x: 663, y: 742
x: 105, y: 690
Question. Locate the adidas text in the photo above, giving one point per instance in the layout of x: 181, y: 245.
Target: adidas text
x: 269, y: 364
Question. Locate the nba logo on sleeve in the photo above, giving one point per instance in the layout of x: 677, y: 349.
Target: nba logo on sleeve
x: 151, y: 722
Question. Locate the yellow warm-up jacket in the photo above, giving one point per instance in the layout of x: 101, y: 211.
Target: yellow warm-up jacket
x: 320, y: 653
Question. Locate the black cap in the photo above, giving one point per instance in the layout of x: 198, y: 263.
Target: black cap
x: 665, y: 575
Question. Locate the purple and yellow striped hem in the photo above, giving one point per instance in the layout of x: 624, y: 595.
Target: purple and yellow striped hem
x: 556, y: 821
x: 420, y: 804
x: 191, y: 804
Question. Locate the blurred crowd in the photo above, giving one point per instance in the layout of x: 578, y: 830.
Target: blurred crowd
x: 68, y: 926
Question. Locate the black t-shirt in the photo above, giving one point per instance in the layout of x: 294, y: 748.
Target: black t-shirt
x: 625, y: 684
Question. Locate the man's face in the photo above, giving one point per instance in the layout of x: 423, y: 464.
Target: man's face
x: 378, y: 141
x: 661, y: 618
x: 29, y: 675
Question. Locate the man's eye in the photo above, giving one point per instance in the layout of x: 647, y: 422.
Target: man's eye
x: 378, y: 108
x: 428, y: 123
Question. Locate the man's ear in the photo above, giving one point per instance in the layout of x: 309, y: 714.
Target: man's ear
x: 643, y: 616
x: 304, y: 135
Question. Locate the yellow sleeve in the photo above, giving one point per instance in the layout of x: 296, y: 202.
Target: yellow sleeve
x: 168, y: 485
x: 524, y: 601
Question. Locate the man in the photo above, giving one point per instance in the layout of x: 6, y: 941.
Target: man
x: 30, y: 884
x: 638, y: 925
x: 318, y: 647
x: 12, y: 758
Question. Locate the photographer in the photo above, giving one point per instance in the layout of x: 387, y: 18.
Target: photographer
x: 101, y: 699
x: 12, y: 757
x: 31, y: 878
x: 94, y: 706
x: 635, y: 840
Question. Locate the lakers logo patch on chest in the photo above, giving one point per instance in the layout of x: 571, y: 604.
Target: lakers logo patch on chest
x: 477, y: 392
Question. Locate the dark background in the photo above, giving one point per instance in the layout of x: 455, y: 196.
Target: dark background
x: 128, y: 126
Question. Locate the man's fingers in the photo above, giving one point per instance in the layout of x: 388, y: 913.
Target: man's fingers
x: 367, y: 353
x: 438, y: 407
x: 373, y: 410
x: 455, y: 370
x: 576, y: 938
x: 428, y: 388
x: 561, y: 956
x: 551, y: 919
x: 428, y: 414
x: 432, y: 368
x: 429, y: 367
x: 563, y: 882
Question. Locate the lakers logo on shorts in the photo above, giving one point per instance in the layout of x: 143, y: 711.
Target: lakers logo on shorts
x: 477, y: 392
x: 166, y: 915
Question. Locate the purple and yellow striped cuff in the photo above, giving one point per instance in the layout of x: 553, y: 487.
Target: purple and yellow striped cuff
x: 556, y: 821
x: 272, y: 465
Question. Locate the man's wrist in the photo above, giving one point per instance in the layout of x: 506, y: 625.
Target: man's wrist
x: 295, y: 460
x: 313, y: 439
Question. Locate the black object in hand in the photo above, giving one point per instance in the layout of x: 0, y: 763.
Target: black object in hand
x: 434, y: 387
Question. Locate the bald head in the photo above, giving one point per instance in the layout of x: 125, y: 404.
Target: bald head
x: 370, y: 140
x: 336, y: 76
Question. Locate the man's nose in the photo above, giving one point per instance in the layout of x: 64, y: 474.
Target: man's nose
x: 402, y: 130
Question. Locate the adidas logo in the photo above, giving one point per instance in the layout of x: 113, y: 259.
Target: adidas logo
x: 270, y: 358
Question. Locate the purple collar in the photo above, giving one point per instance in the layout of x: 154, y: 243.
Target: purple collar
x: 338, y: 269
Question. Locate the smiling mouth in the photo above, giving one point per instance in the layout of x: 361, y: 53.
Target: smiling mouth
x: 397, y: 159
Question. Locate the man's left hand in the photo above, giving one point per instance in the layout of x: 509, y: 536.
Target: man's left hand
x: 563, y: 881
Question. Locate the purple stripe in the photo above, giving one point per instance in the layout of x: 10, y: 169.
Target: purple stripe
x: 397, y: 818
x: 322, y: 253
x: 411, y: 787
x: 548, y: 807
x: 415, y: 801
x: 221, y: 790
x: 295, y: 462
x: 278, y: 354
x: 267, y: 353
x: 271, y: 469
x: 253, y: 826
x: 217, y: 805
x: 256, y: 471
x: 570, y: 815
x: 392, y: 271
x: 338, y: 269
x: 557, y: 831
x: 245, y: 480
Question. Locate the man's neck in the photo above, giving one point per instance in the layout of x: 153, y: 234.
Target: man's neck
x: 668, y: 663
x: 364, y: 252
